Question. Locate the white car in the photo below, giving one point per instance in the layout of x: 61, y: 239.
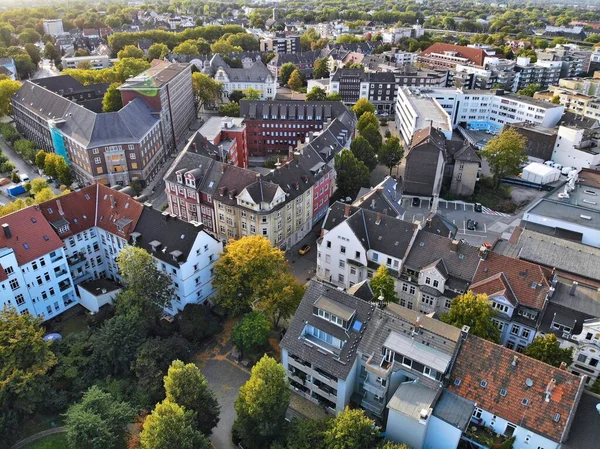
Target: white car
x: 24, y: 177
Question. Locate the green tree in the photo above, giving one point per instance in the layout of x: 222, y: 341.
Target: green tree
x: 131, y: 51
x: 237, y: 96
x: 364, y: 152
x: 391, y: 153
x: 307, y: 434
x: 505, y: 154
x: 321, y: 68
x: 296, y: 81
x: 252, y: 94
x: 530, y: 90
x: 187, y: 48
x: 372, y: 134
x: 9, y: 132
x: 112, y: 100
x: 383, y: 284
x: 224, y: 47
x: 595, y: 388
x: 352, y: 429
x: 186, y: 386
x: 474, y: 311
x: 555, y: 99
x: 98, y: 421
x: 368, y: 118
x: 197, y: 323
x: 171, y: 426
x: 285, y: 71
x: 316, y: 94
x: 352, y: 174
x: 245, y: 41
x: 281, y: 297
x: 548, y: 350
x: 25, y: 148
x: 129, y: 67
x: 40, y: 159
x: 157, y: 51
x: 252, y: 332
x: 34, y: 53
x: 206, y: 90
x: 151, y: 288
x: 334, y: 97
x: 24, y: 64
x: 261, y: 405
x: 81, y: 52
x: 347, y: 39
x: 231, y: 109
x: 363, y: 105
x: 37, y: 185
x: 29, y: 36
x: 7, y: 90
x: 63, y: 172
x: 241, y: 271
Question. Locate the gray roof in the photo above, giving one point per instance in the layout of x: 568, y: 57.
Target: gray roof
x: 568, y: 213
x: 440, y: 225
x: 283, y: 109
x: 418, y: 351
x: 257, y: 72
x: 467, y: 154
x: 362, y: 290
x: 584, y: 431
x: 422, y: 162
x: 157, y: 76
x: 295, y: 344
x: 412, y: 397
x: 429, y: 248
x: 454, y: 410
x: 584, y: 299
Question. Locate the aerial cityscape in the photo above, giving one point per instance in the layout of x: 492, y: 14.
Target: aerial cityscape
x: 339, y: 224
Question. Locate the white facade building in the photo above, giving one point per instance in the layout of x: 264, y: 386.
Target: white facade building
x: 53, y: 27
x: 576, y: 147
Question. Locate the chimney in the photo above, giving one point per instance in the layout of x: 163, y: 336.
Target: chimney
x: 549, y: 388
x: 515, y: 360
x: 113, y: 203
x: 59, y: 207
x: 166, y: 215
x: 464, y: 332
x: 378, y: 220
x: 347, y: 210
x: 573, y: 288
x: 484, y: 250
x: 454, y: 245
x: 563, y: 366
x: 6, y: 229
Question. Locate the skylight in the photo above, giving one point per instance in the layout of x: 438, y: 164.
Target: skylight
x: 483, y: 384
x: 26, y: 245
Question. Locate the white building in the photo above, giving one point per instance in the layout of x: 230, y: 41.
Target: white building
x: 576, y: 147
x: 53, y: 27
x: 256, y: 77
x: 97, y: 62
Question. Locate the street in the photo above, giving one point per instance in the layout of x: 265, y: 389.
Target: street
x: 16, y: 159
x: 45, y: 70
x: 304, y: 267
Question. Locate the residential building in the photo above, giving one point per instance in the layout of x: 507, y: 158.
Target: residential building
x: 97, y: 62
x: 424, y: 166
x: 574, y: 61
x: 167, y: 90
x: 304, y: 60
x: 276, y: 125
x: 465, y: 172
x: 518, y: 291
x: 585, y: 86
x: 573, y: 212
x: 577, y: 147
x: 228, y: 136
x: 577, y: 103
x: 107, y: 148
x: 542, y: 72
x: 256, y: 77
x: 53, y: 27
x: 280, y: 44
x: 89, y: 96
x: 540, y: 140
x: 447, y: 56
x: 377, y: 87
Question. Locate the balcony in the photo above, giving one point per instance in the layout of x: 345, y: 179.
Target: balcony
x: 64, y: 285
x: 60, y: 272
x: 372, y: 405
x: 76, y: 259
x: 485, y: 437
x: 374, y: 387
x: 56, y: 257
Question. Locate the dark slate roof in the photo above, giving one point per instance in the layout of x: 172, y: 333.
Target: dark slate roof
x: 454, y: 410
x: 293, y: 342
x: 383, y: 197
x: 351, y: 73
x: 580, y: 121
x: 362, y: 290
x: 300, y: 58
x: 335, y: 215
x: 467, y: 154
x: 289, y: 110
x: 584, y: 431
x: 430, y: 249
x: 60, y: 83
x: 257, y: 72
x: 382, y: 77
x: 172, y: 233
x: 261, y: 191
x: 440, y: 225
x: 422, y: 163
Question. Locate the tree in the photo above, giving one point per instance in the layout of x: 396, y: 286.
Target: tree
x: 316, y: 94
x: 25, y: 148
x: 383, y: 284
x: 7, y: 90
x: 391, y: 153
x: 157, y: 51
x: 285, y: 71
x: 296, y: 81
x: 555, y: 99
x: 364, y: 152
x: 280, y: 298
x: 29, y: 36
x: 372, y: 134
x: 530, y: 90
x: 40, y: 159
x: 241, y: 271
x: 98, y: 421
x: 351, y: 429
x: 112, y: 100
x: 321, y: 68
x: 206, y: 89
x: 363, y: 105
x: 237, y: 96
x: 197, y: 322
x: 261, y: 405
x: 548, y: 350
x: 506, y: 154
x: 252, y: 332
x: 245, y: 41
x: 224, y: 47
x: 368, y: 118
x: 347, y: 39
x: 171, y: 426
x: 129, y: 67
x: 38, y: 184
x: 187, y: 48
x: 9, y: 132
x: 131, y: 51
x: 252, y: 94
x: 34, y: 53
x: 352, y: 174
x: 151, y: 288
x: 474, y: 311
x: 307, y: 434
x: 186, y: 386
x: 231, y: 109
x: 334, y: 97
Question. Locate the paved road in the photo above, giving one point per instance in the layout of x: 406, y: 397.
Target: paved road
x: 304, y: 267
x: 45, y: 70
x: 16, y: 159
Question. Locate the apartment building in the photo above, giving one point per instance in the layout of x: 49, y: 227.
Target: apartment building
x: 447, y: 56
x: 578, y: 103
x: 280, y: 44
x: 415, y: 374
x: 53, y: 27
x: 167, y: 90
x: 227, y: 135
x: 97, y: 62
x: 542, y: 72
x: 256, y: 77
x: 274, y: 126
x: 577, y: 146
x: 574, y: 61
x: 585, y: 86
x: 283, y: 205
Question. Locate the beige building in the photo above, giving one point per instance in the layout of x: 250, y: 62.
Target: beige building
x: 572, y: 100
x: 465, y: 171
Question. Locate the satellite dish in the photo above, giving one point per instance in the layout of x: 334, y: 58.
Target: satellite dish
x: 529, y: 382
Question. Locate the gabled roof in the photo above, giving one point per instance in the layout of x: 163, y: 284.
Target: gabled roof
x: 383, y: 197
x: 546, y: 407
x: 31, y: 236
x: 474, y: 55
x: 116, y: 212
x: 261, y: 191
x: 528, y: 281
x: 77, y: 208
x: 467, y: 154
x: 496, y: 285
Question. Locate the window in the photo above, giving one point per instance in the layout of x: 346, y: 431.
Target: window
x: 436, y: 283
x: 342, y: 264
x: 407, y: 362
x: 328, y: 244
x: 477, y: 413
x: 357, y: 255
x: 343, y: 249
x: 428, y: 280
x: 20, y: 299
x: 525, y: 333
x: 352, y: 270
x: 412, y: 290
x: 14, y: 284
x: 510, y: 429
x: 11, y: 270
x: 515, y: 330
x: 340, y: 278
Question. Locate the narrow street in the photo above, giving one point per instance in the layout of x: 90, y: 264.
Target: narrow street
x: 45, y: 70
x: 16, y: 159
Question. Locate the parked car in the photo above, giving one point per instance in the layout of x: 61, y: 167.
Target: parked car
x: 416, y: 202
x: 472, y: 225
x: 305, y: 249
x: 24, y: 177
x: 478, y: 207
x: 4, y: 181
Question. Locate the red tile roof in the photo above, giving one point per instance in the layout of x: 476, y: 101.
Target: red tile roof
x: 496, y: 285
x: 31, y: 235
x: 3, y: 275
x: 480, y: 360
x: 527, y: 280
x: 475, y: 55
x: 78, y: 208
x: 114, y: 206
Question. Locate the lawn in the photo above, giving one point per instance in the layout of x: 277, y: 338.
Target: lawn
x: 56, y: 441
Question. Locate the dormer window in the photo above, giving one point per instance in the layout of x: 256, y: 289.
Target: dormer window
x: 63, y: 229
